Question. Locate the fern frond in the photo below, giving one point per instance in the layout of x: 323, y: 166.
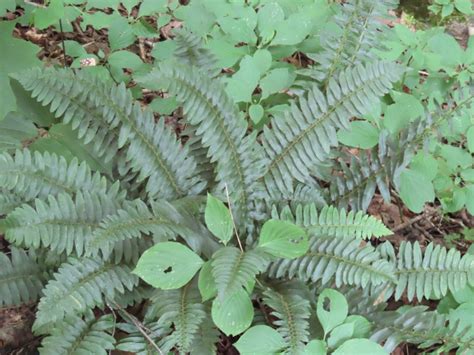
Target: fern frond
x: 347, y: 260
x: 21, y: 278
x: 137, y: 343
x: 206, y: 339
x: 8, y: 202
x: 222, y: 130
x: 62, y: 224
x: 76, y: 335
x: 190, y: 51
x: 163, y: 222
x: 292, y: 311
x: 79, y: 285
x: 152, y: 150
x: 359, y: 31
x: 417, y: 325
x: 184, y: 311
x: 432, y: 273
x: 30, y: 175
x: 233, y: 269
x: 304, y: 135
x: 332, y: 222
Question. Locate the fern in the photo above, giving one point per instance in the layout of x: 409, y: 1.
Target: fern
x: 21, y: 278
x: 75, y: 335
x: 291, y: 309
x: 8, y: 202
x: 304, y: 136
x: 222, y: 131
x: 153, y: 151
x: 184, y: 310
x: 79, y: 285
x: 432, y: 273
x: 418, y: 326
x: 332, y: 222
x: 359, y: 32
x: 233, y: 269
x: 60, y: 224
x: 137, y: 343
x: 40, y: 175
x: 346, y: 260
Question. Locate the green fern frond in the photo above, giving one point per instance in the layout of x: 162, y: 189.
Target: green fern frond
x: 359, y: 32
x: 222, y: 130
x: 30, y: 175
x: 418, y: 326
x: 206, y: 339
x: 163, y: 222
x: 137, y: 343
x: 184, y: 311
x: 190, y: 50
x: 432, y: 273
x: 304, y: 135
x: 21, y: 278
x: 292, y: 310
x: 79, y: 285
x: 61, y: 223
x: 152, y: 150
x: 233, y: 269
x: 332, y: 222
x: 347, y: 260
x: 8, y: 202
x: 75, y: 336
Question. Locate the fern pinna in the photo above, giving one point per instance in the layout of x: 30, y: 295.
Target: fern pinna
x: 79, y: 239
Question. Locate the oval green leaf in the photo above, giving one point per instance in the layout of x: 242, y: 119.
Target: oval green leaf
x: 218, y: 219
x: 360, y: 346
x: 206, y: 282
x: 260, y: 339
x: 332, y: 309
x: 168, y: 265
x: 283, y: 239
x: 234, y: 314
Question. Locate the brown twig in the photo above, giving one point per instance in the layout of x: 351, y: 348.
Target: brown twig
x: 413, y: 220
x: 232, y: 217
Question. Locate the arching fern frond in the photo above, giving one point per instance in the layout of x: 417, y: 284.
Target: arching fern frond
x: 304, y: 135
x: 62, y: 224
x: 136, y: 343
x: 417, y: 325
x: 222, y: 130
x: 292, y: 310
x: 8, y: 202
x: 76, y: 335
x: 80, y: 285
x: 233, y: 269
x: 332, y: 222
x: 152, y: 150
x: 21, y: 278
x: 163, y: 222
x: 432, y: 273
x: 347, y: 260
x: 359, y: 30
x: 181, y: 309
x: 34, y: 175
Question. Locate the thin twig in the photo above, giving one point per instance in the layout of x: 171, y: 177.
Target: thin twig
x: 62, y: 42
x: 232, y: 217
x: 140, y: 326
x: 413, y: 220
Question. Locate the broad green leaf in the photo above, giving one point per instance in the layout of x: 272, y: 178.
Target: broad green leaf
x: 150, y: 7
x: 315, y: 347
x: 197, y: 17
x: 259, y: 340
x: 14, y: 130
x: 102, y: 4
x: 464, y: 6
x: 425, y: 164
x: 332, y: 309
x: 456, y: 156
x: 256, y: 113
x: 362, y: 326
x: 168, y: 265
x: 7, y: 5
x: 206, y: 282
x: 470, y: 139
x: 47, y: 16
x: 129, y: 4
x: 293, y: 30
x: 360, y: 346
x: 17, y: 55
x: 361, y: 135
x: 447, y: 10
x: 463, y: 315
x: 226, y: 53
x: 218, y: 219
x: 237, y: 30
x: 121, y: 34
x: 164, y: 106
x: 275, y: 81
x: 470, y: 199
x: 415, y: 190
x: 125, y: 59
x: 263, y: 60
x: 234, y: 314
x: 269, y: 16
x: 163, y: 50
x: 340, y: 334
x: 283, y: 239
x: 447, y: 50
x: 243, y: 83
x: 405, y: 109
x: 464, y: 295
